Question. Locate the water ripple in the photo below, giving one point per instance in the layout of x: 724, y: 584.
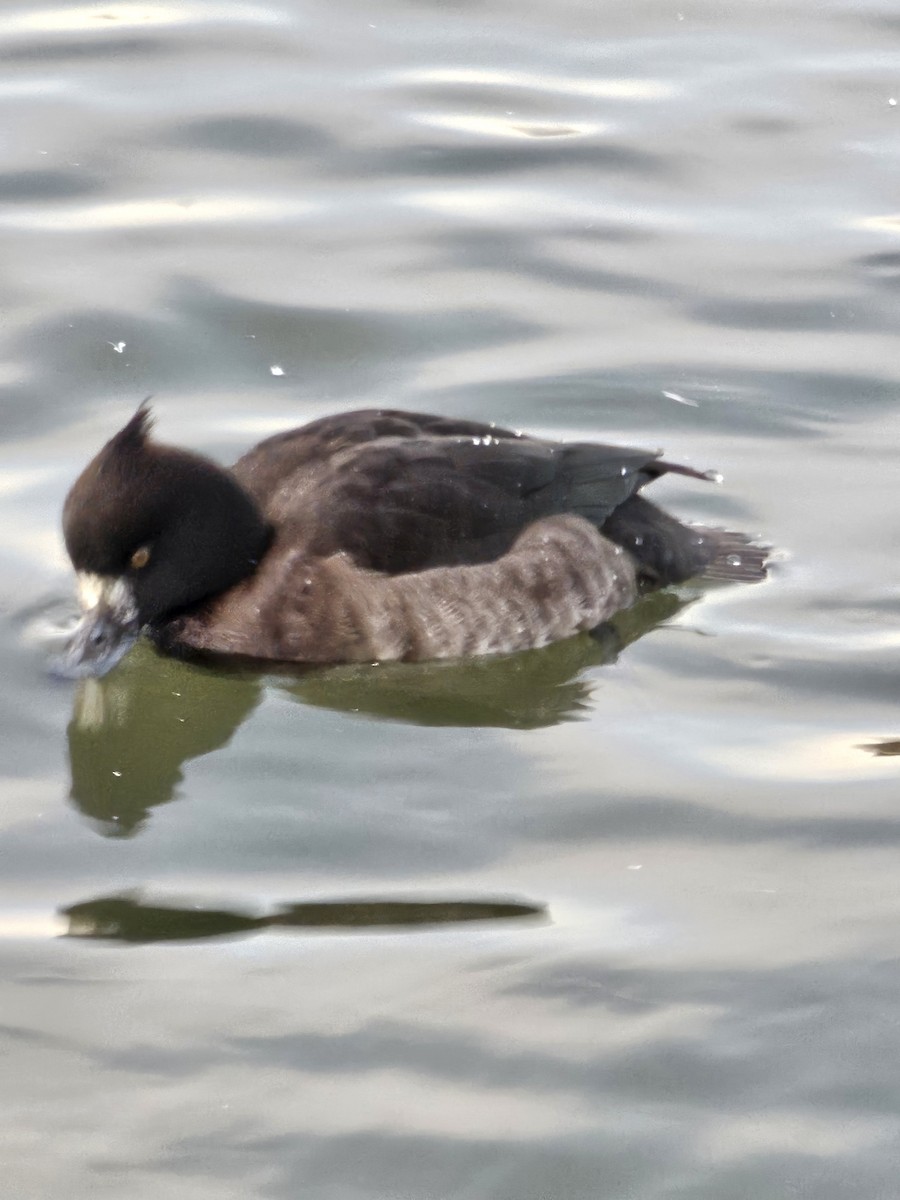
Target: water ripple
x: 134, y: 214
x: 131, y: 15
x: 596, y: 88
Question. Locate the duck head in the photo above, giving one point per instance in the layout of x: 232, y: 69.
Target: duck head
x: 151, y: 531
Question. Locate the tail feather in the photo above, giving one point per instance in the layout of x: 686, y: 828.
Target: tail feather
x: 735, y: 556
x: 667, y: 551
x: 662, y: 467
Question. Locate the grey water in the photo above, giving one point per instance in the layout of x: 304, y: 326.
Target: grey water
x: 615, y: 919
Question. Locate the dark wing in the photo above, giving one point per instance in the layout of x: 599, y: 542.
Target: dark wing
x: 405, y: 491
x: 268, y: 464
x: 401, y: 506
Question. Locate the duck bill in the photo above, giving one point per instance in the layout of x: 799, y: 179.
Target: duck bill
x: 108, y: 628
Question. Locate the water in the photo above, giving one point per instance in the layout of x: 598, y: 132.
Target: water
x: 668, y: 224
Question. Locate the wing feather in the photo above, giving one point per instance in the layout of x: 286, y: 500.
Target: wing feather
x: 401, y: 492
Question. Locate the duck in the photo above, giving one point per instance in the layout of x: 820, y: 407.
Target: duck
x: 371, y: 536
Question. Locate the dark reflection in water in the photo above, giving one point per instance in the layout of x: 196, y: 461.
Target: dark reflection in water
x: 127, y: 919
x: 882, y: 749
x: 131, y: 734
x: 531, y: 690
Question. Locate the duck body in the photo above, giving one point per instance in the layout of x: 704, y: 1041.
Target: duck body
x: 372, y: 535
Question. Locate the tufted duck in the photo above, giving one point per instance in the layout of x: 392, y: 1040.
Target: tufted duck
x: 372, y: 535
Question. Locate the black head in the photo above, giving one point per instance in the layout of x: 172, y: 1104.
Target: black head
x: 152, y: 530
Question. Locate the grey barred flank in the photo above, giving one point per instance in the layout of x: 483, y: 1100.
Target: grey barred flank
x: 560, y: 577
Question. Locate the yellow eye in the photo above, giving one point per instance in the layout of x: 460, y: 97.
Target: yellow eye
x: 140, y: 558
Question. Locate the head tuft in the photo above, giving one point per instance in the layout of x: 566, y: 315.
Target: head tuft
x: 134, y: 435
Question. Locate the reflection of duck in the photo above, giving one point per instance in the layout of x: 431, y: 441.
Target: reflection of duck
x: 530, y: 690
x: 131, y: 734
x: 883, y: 749
x: 372, y: 536
x: 127, y: 918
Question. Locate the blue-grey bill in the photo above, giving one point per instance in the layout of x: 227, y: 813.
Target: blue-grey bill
x: 108, y: 629
x: 99, y: 641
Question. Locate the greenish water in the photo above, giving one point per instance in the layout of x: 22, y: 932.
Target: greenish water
x: 615, y: 919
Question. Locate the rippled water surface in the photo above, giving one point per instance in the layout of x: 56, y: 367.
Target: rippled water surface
x: 616, y: 919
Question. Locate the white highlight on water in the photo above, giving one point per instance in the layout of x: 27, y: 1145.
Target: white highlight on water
x: 679, y: 399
